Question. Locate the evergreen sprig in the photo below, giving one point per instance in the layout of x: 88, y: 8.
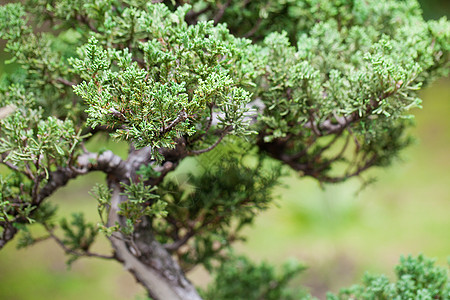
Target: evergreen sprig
x: 142, y: 201
x: 417, y: 278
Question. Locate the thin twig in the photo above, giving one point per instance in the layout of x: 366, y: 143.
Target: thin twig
x: 255, y: 28
x: 208, y: 126
x: 221, y: 11
x: 197, y: 152
x: 65, y: 81
x: 84, y: 20
x: 73, y: 252
x: 178, y: 243
x: 335, y: 158
x: 191, y: 16
x: 15, y: 168
x: 313, y: 125
x: 180, y: 118
x: 346, y: 176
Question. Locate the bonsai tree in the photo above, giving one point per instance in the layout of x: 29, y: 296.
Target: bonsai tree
x: 323, y: 87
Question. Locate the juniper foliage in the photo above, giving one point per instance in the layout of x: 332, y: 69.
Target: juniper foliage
x: 417, y: 278
x: 324, y: 87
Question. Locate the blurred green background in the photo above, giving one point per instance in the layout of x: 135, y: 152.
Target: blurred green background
x: 339, y: 232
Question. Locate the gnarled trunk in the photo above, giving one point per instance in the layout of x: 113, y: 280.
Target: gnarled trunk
x: 147, y: 259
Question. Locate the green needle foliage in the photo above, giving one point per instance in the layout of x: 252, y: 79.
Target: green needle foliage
x: 322, y: 87
x: 417, y: 278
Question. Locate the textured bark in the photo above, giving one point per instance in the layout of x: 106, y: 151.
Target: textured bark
x: 147, y: 259
x: 8, y: 233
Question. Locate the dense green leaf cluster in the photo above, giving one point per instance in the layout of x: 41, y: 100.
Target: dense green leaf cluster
x: 336, y: 69
x: 417, y: 278
x: 33, y: 143
x: 32, y: 146
x: 41, y: 59
x: 163, y: 85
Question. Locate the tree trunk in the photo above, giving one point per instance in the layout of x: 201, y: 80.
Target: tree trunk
x: 147, y: 259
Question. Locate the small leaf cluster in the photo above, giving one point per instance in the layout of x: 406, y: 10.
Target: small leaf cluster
x: 15, y: 199
x: 103, y: 196
x: 141, y: 201
x: 79, y: 236
x: 44, y: 214
x: 147, y: 172
x: 25, y: 239
x: 417, y: 278
x: 33, y: 144
x: 13, y: 21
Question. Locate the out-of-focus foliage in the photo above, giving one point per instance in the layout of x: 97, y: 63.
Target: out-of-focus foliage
x: 214, y: 214
x: 417, y: 278
x: 239, y: 278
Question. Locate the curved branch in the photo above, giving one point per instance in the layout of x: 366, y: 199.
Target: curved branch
x: 328, y: 127
x: 220, y: 12
x: 222, y: 135
x: 182, y: 116
x: 369, y: 163
x: 180, y: 242
x: 106, y: 162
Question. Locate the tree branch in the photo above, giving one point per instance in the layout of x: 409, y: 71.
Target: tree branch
x: 83, y: 19
x: 328, y: 127
x: 369, y: 163
x: 191, y: 16
x: 220, y: 12
x: 178, y: 243
x: 222, y: 135
x: 253, y: 30
x: 15, y: 168
x: 65, y: 81
x: 180, y: 118
x: 106, y: 162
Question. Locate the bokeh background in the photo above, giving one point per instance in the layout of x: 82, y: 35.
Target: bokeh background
x: 338, y: 231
